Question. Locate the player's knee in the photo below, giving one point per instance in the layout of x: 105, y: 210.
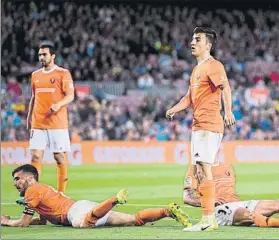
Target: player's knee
x: 200, y: 175
x: 132, y: 220
x: 36, y: 156
x: 204, y: 171
x: 138, y: 220
x: 59, y: 157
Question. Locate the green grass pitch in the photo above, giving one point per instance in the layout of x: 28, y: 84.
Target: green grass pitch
x: 150, y: 186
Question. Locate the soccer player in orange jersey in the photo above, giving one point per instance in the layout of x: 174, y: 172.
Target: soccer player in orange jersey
x: 47, y: 120
x: 57, y: 208
x: 229, y: 210
x: 208, y: 82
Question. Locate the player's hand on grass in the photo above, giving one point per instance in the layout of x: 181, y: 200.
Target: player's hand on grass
x: 4, y: 219
x: 229, y: 119
x: 55, y: 107
x: 169, y: 115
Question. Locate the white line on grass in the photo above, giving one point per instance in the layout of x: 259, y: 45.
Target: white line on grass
x: 128, y: 204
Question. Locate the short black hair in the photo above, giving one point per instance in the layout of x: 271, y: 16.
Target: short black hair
x: 27, y: 168
x: 48, y: 44
x: 210, y: 34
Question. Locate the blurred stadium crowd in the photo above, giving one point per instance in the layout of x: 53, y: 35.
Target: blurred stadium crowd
x: 142, y: 46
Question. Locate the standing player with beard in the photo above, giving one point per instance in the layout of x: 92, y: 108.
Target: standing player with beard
x: 208, y: 82
x: 47, y: 120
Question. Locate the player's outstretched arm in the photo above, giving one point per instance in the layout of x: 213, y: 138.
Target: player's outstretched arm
x: 30, y: 111
x: 24, y: 221
x: 227, y: 97
x: 190, y: 197
x: 184, y: 103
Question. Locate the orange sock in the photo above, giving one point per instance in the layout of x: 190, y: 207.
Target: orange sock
x: 62, y: 176
x: 262, y: 221
x: 151, y: 215
x: 37, y: 165
x: 207, y: 192
x: 99, y: 211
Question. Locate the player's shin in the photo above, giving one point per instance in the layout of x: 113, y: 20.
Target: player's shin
x: 37, y: 165
x: 151, y: 215
x: 207, y: 191
x: 62, y: 171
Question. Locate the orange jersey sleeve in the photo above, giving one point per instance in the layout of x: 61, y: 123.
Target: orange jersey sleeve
x: 217, y: 74
x: 49, y: 88
x: 206, y: 96
x: 49, y: 203
x: 67, y: 82
x: 33, y: 196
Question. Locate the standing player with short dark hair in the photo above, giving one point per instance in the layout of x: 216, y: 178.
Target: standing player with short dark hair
x: 208, y: 82
x: 47, y: 119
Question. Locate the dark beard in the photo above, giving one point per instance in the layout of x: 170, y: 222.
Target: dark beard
x: 45, y: 64
x: 22, y: 193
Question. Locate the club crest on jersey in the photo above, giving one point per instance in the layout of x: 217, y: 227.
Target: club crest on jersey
x: 52, y: 80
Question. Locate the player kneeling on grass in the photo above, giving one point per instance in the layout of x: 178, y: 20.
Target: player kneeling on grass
x: 55, y: 207
x: 229, y: 210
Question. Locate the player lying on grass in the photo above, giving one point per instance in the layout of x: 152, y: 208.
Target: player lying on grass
x: 55, y: 207
x: 229, y: 210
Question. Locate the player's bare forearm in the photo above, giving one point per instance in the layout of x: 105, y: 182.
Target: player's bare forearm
x: 30, y: 108
x: 69, y: 97
x: 30, y: 111
x: 24, y: 221
x: 227, y: 97
x: 184, y: 103
x: 190, y: 197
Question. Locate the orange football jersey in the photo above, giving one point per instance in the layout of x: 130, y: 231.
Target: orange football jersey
x: 49, y: 87
x: 206, y: 95
x: 224, y: 178
x: 49, y: 203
